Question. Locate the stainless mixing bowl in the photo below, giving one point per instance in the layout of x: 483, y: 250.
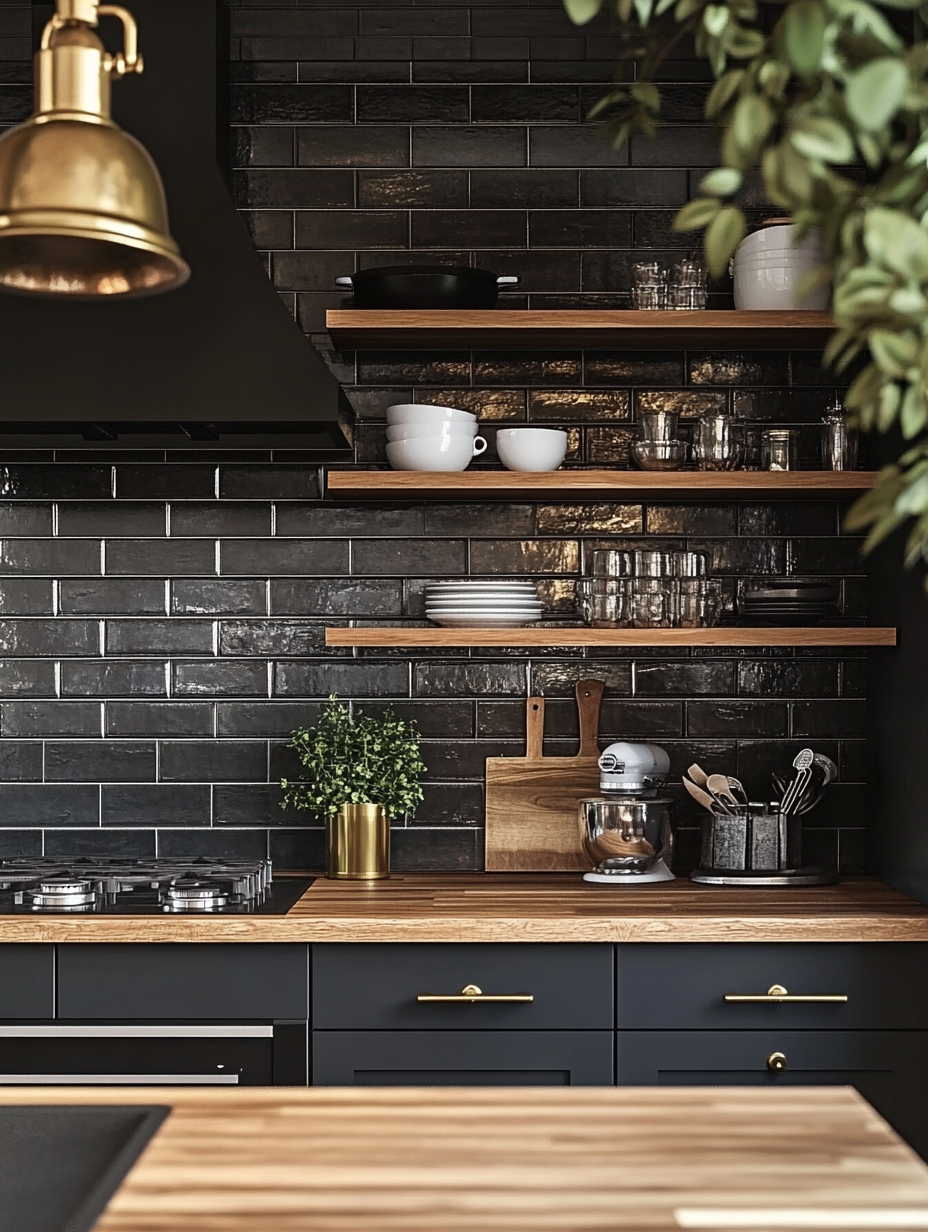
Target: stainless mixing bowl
x: 626, y: 834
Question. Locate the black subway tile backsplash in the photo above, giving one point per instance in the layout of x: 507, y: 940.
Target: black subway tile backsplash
x: 162, y: 621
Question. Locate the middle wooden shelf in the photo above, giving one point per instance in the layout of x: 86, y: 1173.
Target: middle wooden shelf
x: 577, y: 636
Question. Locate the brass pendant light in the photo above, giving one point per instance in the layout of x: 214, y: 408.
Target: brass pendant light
x: 82, y: 209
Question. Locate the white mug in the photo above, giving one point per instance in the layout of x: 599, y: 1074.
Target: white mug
x: 419, y: 453
x: 531, y: 449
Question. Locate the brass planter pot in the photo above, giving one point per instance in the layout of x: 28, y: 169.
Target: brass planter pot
x: 357, y: 843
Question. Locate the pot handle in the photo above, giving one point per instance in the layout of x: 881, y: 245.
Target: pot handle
x: 508, y: 280
x: 346, y: 281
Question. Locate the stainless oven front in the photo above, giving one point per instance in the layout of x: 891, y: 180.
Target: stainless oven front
x: 154, y: 1054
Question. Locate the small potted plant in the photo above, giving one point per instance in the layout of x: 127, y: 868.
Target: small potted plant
x: 362, y: 770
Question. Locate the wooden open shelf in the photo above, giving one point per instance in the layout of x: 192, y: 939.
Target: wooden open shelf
x: 611, y: 484
x: 590, y: 329
x: 552, y: 637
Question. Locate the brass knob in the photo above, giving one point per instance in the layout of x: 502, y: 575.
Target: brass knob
x: 776, y: 1062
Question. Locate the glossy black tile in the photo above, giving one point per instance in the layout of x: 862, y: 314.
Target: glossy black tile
x: 49, y: 637
x: 277, y: 718
x: 50, y: 556
x: 402, y: 557
x: 55, y: 482
x: 346, y: 679
x: 740, y: 719
x: 149, y: 805
x: 784, y: 678
x: 79, y: 761
x: 450, y: 804
x: 464, y: 520
x: 254, y: 805
x: 703, y: 519
x: 129, y: 637
x: 513, y: 103
x: 473, y: 228
x: 689, y: 679
x: 830, y: 718
x: 26, y: 596
x: 21, y: 761
x: 459, y: 71
x: 278, y: 482
x: 419, y: 849
x: 457, y: 146
x: 27, y: 678
x: 622, y: 368
x: 267, y: 103
x: 261, y: 557
x: 208, y: 597
x: 24, y: 518
x: 468, y: 679
x: 352, y: 229
x: 262, y: 147
x: 40, y: 804
x: 157, y: 719
x: 122, y: 678
x: 212, y: 678
x: 212, y: 761
x: 115, y: 517
x: 430, y: 104
x: 579, y: 228
x: 336, y: 597
x: 161, y: 557
x: 788, y: 518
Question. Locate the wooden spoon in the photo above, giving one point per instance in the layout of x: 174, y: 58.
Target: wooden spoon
x: 708, y: 802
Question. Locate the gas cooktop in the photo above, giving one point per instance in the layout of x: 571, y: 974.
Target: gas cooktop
x: 96, y: 886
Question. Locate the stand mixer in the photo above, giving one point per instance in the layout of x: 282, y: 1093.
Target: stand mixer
x: 626, y: 832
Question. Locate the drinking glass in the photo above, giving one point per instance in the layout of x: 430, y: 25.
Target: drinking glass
x: 687, y: 286
x: 718, y: 443
x: 839, y: 442
x: 778, y: 450
x: 658, y: 425
x: 653, y: 602
x: 649, y: 290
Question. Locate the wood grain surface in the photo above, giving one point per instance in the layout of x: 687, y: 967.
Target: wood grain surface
x: 469, y: 1160
x: 614, y: 329
x: 522, y: 907
x: 455, y: 485
x: 531, y: 801
x: 552, y: 635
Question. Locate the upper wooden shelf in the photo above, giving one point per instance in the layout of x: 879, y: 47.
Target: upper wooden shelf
x: 362, y: 329
x: 538, y: 635
x: 612, y: 484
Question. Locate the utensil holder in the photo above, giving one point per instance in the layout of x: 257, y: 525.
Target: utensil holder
x: 357, y: 843
x: 755, y: 841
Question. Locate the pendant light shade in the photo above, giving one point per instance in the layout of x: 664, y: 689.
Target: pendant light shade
x: 82, y: 209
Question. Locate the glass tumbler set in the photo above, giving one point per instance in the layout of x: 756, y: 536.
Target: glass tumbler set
x: 681, y: 287
x: 648, y: 590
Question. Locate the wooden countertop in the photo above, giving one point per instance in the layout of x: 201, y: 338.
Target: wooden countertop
x: 471, y: 1160
x: 521, y: 907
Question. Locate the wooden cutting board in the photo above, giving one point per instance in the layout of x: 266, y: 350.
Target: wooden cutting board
x: 532, y: 822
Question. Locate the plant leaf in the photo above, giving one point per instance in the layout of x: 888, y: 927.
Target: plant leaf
x: 823, y: 138
x: 723, y: 235
x: 721, y: 182
x: 723, y: 92
x: 697, y: 213
x: 875, y: 91
x: 582, y: 11
x: 804, y: 25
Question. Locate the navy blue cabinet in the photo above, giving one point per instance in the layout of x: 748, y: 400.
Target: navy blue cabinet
x: 463, y: 1058
x: 27, y: 981
x: 889, y: 1068
x: 377, y: 1022
x: 183, y: 981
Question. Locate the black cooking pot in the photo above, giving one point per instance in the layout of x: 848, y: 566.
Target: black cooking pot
x: 426, y: 286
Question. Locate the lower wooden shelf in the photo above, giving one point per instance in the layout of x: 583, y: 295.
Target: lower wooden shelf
x: 535, y: 636
x: 598, y: 483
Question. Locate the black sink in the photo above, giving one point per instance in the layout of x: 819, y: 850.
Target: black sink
x: 61, y: 1164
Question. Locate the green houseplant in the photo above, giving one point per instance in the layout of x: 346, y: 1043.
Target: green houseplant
x: 828, y: 99
x: 362, y: 770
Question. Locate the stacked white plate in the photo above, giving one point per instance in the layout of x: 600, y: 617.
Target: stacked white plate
x: 482, y: 605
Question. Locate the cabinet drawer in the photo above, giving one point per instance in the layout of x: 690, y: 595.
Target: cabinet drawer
x: 27, y: 981
x: 182, y: 981
x: 463, y: 1058
x: 889, y: 1068
x: 681, y: 986
x: 377, y: 986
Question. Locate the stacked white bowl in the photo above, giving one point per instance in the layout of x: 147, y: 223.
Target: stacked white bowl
x: 482, y: 605
x: 768, y: 270
x: 431, y: 438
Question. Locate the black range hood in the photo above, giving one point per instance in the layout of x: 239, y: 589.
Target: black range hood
x: 218, y: 363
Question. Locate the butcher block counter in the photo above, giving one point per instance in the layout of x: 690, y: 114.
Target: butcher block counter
x: 514, y: 907
x: 470, y: 1160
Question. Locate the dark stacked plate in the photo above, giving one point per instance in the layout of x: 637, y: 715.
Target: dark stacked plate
x: 786, y: 601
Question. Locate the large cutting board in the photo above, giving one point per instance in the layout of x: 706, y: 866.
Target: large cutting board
x: 532, y: 800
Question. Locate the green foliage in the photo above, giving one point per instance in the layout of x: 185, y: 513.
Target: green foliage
x: 356, y: 759
x: 831, y: 88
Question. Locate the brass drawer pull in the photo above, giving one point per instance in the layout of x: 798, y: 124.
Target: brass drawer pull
x: 777, y: 995
x: 776, y: 1062
x: 471, y: 993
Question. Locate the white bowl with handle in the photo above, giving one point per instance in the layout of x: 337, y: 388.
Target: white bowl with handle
x: 409, y: 432
x: 434, y: 453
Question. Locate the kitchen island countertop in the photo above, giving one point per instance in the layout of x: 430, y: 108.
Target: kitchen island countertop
x: 519, y: 907
x: 471, y: 1160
